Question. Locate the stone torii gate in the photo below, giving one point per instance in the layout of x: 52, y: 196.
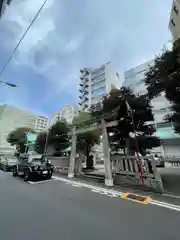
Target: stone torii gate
x: 106, y: 152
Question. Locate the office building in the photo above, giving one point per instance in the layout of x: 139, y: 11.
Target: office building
x: 3, y: 5
x: 134, y: 78
x: 174, y: 22
x: 95, y: 83
x: 66, y: 112
x: 12, y: 118
x: 41, y: 124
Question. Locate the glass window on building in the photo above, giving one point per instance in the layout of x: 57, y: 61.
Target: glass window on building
x: 165, y: 131
x: 98, y: 72
x: 98, y: 91
x: 98, y: 84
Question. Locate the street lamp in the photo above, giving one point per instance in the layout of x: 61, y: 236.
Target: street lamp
x: 9, y: 84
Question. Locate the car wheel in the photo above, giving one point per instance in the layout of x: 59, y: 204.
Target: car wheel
x: 14, y: 172
x: 26, y: 176
x: 49, y: 175
x: 5, y: 169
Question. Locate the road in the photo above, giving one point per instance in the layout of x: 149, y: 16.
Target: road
x: 56, y: 210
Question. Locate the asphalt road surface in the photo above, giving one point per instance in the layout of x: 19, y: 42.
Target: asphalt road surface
x: 56, y: 210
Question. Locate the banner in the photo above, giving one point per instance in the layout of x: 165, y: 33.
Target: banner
x: 31, y: 140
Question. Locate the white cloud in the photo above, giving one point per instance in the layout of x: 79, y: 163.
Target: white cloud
x: 69, y: 35
x: 74, y: 44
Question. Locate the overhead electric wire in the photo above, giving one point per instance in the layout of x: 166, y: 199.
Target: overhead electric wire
x: 23, y: 36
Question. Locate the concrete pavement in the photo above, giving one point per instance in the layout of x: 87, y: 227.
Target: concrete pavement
x: 56, y: 210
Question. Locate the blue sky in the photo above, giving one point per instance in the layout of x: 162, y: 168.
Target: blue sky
x: 72, y: 34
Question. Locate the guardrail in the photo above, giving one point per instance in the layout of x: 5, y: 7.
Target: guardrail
x: 174, y: 161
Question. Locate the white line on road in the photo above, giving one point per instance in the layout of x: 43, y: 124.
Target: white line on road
x: 165, y: 205
x: 115, y: 193
x: 40, y: 182
x: 76, y: 185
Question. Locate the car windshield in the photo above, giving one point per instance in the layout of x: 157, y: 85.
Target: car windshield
x: 11, y: 159
x: 36, y: 160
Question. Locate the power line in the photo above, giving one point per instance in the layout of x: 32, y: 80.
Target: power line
x: 23, y: 36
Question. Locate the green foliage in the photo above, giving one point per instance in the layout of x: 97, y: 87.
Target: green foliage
x: 136, y: 117
x: 18, y: 138
x: 164, y: 76
x: 86, y: 140
x: 81, y: 117
x: 40, y: 142
x: 57, y: 137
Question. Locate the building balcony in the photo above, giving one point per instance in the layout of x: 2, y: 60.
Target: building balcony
x: 85, y: 106
x: 83, y: 99
x: 83, y: 85
x: 85, y: 92
x: 84, y: 70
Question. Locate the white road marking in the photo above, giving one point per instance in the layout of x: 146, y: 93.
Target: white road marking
x: 114, y: 193
x: 94, y: 190
x: 76, y: 185
x: 170, y: 195
x: 44, y: 181
x: 166, y: 205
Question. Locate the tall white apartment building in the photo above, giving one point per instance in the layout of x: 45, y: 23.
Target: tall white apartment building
x: 41, y: 124
x: 12, y: 118
x: 95, y: 83
x: 66, y: 112
x: 174, y: 22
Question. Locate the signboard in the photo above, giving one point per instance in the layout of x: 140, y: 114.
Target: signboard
x: 166, y: 133
x: 31, y: 139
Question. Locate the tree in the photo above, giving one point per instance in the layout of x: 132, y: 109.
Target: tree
x: 86, y: 140
x: 41, y: 142
x: 58, y: 136
x: 164, y: 76
x: 81, y: 117
x: 18, y: 138
x: 133, y: 112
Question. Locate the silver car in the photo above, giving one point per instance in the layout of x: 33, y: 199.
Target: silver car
x: 8, y: 163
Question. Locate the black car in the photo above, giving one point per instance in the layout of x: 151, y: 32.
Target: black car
x: 33, y: 167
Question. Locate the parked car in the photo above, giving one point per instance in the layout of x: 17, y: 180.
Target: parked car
x: 33, y: 167
x: 1, y: 158
x: 8, y: 163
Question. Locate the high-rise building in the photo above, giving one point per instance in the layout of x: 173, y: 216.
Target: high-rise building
x: 174, y: 22
x: 3, y: 5
x: 95, y: 83
x: 67, y: 112
x: 12, y: 118
x: 41, y: 124
x: 134, y: 78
